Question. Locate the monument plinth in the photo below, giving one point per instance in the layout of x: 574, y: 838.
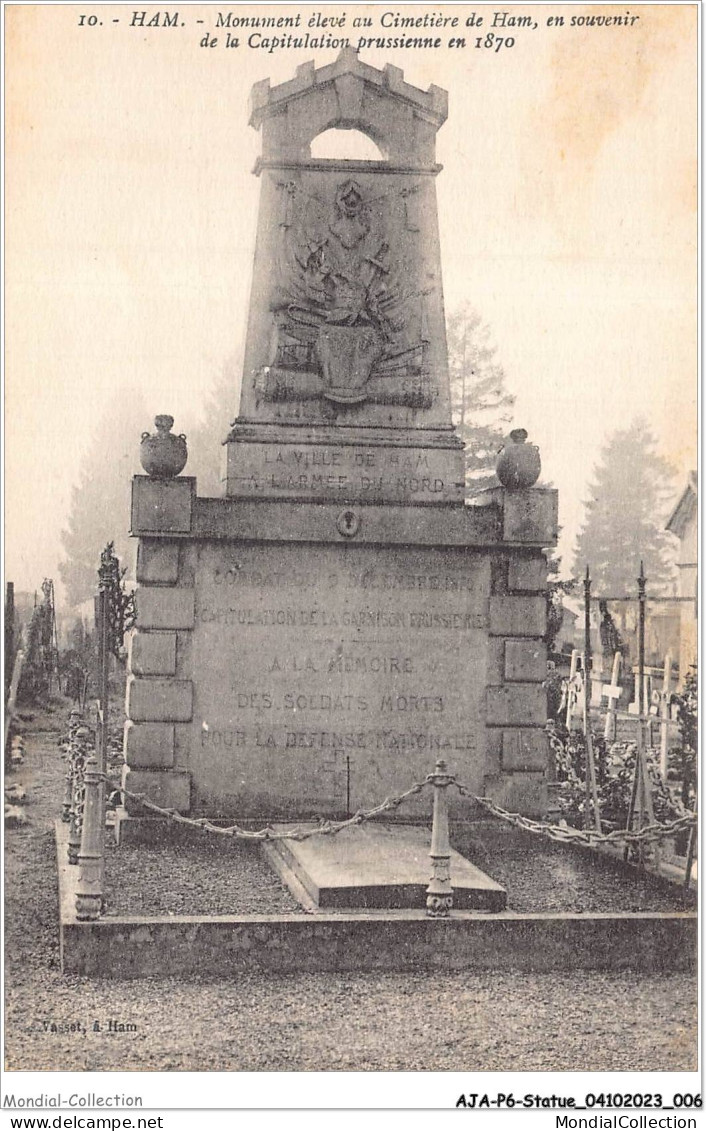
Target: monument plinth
x: 317, y: 638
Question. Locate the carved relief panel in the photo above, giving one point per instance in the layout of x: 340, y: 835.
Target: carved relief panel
x: 347, y: 305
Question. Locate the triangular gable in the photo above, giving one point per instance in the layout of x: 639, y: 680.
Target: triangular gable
x: 685, y: 508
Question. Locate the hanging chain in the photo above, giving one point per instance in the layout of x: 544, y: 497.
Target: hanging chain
x: 566, y: 834
x: 324, y: 828
x: 562, y: 833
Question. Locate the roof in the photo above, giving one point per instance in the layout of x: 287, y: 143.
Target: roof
x: 572, y: 604
x: 686, y: 507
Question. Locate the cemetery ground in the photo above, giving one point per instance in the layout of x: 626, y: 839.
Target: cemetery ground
x: 419, y: 1021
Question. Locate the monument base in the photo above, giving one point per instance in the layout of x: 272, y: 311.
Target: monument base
x: 160, y: 946
x: 384, y: 866
x: 297, y: 661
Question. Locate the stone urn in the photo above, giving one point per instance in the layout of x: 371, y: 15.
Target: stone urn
x: 163, y: 455
x: 518, y: 465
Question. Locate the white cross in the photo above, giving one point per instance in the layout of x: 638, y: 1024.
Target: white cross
x: 664, y: 712
x: 612, y: 692
x: 577, y: 694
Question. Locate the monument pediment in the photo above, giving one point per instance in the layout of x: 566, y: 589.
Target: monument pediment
x: 400, y: 118
x: 350, y: 78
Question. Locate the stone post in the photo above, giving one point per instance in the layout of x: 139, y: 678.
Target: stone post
x: 101, y: 745
x: 74, y: 722
x: 159, y: 700
x: 440, y: 892
x: 66, y: 807
x: 78, y: 786
x: 89, y: 890
x: 101, y: 759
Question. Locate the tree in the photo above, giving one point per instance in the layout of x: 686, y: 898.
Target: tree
x: 206, y: 437
x: 120, y: 601
x: 624, y: 519
x: 100, y: 500
x: 480, y: 404
x: 556, y: 591
x: 683, y: 765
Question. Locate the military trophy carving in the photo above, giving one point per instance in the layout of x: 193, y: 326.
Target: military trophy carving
x: 348, y: 322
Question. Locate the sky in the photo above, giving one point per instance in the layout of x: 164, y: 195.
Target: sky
x: 567, y: 209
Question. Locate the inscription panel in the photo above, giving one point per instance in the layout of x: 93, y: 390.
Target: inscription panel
x: 337, y: 673
x: 366, y: 474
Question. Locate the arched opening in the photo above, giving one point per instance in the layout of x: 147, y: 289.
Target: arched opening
x: 345, y: 145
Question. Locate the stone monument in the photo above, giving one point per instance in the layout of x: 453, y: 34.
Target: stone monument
x: 315, y: 639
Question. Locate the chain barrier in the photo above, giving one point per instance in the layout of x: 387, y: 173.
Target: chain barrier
x: 324, y: 828
x: 565, y: 834
x: 561, y: 833
x: 78, y: 747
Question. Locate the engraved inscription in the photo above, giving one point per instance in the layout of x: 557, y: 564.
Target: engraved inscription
x: 334, y: 661
x: 373, y: 474
x: 308, y: 618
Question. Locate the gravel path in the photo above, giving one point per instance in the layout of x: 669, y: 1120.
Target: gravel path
x: 216, y: 876
x: 390, y: 1022
x: 541, y: 875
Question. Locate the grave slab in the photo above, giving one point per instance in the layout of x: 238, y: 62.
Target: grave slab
x: 382, y: 866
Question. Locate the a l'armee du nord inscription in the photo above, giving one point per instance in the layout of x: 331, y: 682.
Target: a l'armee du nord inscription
x: 309, y: 655
x: 371, y: 474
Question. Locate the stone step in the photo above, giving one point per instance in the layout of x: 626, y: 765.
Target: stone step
x: 376, y: 865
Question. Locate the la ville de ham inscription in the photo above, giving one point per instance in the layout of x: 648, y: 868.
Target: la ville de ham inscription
x: 341, y: 617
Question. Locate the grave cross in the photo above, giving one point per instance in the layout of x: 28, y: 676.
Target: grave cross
x: 612, y: 692
x: 664, y: 712
x: 637, y: 703
x: 574, y: 685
